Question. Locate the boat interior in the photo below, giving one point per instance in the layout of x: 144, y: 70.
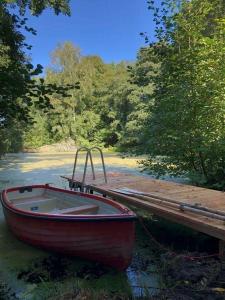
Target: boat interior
x: 41, y: 200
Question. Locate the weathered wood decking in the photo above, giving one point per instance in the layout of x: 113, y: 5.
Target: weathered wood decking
x: 179, y: 192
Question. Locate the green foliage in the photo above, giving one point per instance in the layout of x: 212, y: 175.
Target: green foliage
x: 186, y: 126
x: 19, y: 90
x: 37, y: 134
x: 95, y: 113
x: 37, y: 6
x: 11, y: 139
x: 140, y: 99
x: 15, y: 71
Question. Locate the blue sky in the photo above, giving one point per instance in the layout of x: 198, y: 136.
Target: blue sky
x: 108, y: 28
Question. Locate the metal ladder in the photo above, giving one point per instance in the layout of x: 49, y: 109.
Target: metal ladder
x: 73, y: 184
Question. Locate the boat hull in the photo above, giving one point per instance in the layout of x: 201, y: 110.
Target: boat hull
x: 106, y: 240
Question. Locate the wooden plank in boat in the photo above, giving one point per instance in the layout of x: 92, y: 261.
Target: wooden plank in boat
x: 92, y: 208
x: 31, y: 199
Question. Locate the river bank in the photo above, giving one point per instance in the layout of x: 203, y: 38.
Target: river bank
x: 187, y: 261
x: 63, y: 146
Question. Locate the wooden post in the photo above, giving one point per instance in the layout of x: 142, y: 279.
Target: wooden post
x: 221, y: 248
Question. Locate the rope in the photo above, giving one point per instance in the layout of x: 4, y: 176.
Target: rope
x: 189, y: 257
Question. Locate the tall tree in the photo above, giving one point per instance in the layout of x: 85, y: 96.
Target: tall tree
x: 140, y: 99
x: 17, y: 85
x: 186, y: 127
x: 97, y: 111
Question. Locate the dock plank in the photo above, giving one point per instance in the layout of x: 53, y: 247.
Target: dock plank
x: 180, y: 192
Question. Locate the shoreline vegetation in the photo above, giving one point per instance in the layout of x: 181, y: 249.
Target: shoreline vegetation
x: 64, y: 146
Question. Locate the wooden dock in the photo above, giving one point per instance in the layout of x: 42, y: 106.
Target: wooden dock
x: 154, y: 191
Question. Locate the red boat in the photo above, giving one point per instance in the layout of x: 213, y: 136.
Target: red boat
x: 77, y: 224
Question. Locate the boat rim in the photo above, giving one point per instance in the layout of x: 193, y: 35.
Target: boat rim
x: 125, y: 213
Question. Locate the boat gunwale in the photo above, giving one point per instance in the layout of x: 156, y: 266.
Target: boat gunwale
x: 125, y: 213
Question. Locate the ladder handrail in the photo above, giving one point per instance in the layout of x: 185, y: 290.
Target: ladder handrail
x: 103, y: 162
x: 75, y: 162
x: 85, y: 169
x: 88, y: 154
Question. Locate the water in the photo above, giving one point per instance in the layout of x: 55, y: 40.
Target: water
x: 40, y: 168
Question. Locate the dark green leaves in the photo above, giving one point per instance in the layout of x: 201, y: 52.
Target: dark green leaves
x: 37, y: 6
x: 185, y: 131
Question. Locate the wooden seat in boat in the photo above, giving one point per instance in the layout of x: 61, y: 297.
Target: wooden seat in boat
x: 83, y: 209
x: 32, y: 199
